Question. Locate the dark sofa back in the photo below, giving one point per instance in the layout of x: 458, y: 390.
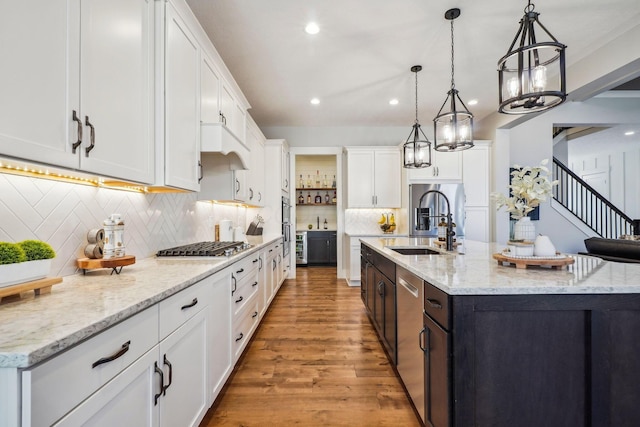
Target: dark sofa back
x: 614, y: 249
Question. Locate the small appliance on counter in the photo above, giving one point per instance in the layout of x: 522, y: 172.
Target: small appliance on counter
x: 226, y: 230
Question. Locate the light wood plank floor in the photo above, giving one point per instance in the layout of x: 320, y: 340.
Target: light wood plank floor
x: 314, y: 361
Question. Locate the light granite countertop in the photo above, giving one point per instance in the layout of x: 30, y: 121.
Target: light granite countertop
x: 35, y: 328
x: 471, y: 270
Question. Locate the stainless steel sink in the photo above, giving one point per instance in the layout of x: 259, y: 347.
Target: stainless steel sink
x: 415, y: 251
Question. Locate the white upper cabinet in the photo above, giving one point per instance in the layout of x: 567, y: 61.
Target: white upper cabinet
x: 255, y: 140
x: 477, y: 174
x: 181, y: 103
x: 209, y: 91
x: 445, y: 166
x: 76, y: 76
x: 373, y: 177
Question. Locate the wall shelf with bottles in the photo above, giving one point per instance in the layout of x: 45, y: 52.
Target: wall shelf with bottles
x: 307, y: 198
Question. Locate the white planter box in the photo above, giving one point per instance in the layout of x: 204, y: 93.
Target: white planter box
x: 11, y: 274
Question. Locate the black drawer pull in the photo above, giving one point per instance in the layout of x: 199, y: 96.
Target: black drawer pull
x: 119, y: 353
x: 254, y: 284
x: 256, y: 260
x: 239, y: 299
x: 240, y: 271
x: 193, y: 303
x: 240, y: 337
x: 158, y: 371
x: 434, y: 303
x: 255, y: 313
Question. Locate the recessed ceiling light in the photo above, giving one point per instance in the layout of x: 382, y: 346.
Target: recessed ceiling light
x: 312, y: 28
x: 315, y: 101
x: 473, y: 101
x: 394, y: 101
x: 629, y: 133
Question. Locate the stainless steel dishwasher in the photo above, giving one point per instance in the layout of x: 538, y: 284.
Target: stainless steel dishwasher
x: 409, y: 289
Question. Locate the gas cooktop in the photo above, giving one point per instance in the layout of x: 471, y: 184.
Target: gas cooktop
x: 205, y: 249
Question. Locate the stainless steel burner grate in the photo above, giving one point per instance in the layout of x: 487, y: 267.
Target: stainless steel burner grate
x: 204, y: 249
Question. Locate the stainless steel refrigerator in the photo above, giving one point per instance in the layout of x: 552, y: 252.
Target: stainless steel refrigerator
x: 427, y: 209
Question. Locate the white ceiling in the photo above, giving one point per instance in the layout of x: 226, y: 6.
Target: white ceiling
x: 363, y: 54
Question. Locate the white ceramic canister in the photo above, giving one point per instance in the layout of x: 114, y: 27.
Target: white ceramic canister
x: 226, y: 230
x: 543, y: 247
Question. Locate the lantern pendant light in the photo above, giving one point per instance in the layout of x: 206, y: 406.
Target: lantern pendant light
x: 531, y: 76
x: 453, y: 129
x: 417, y: 150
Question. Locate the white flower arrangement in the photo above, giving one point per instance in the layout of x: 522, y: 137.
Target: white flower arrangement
x: 529, y: 186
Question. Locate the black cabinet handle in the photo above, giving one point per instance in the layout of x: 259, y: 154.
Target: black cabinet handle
x: 237, y: 186
x: 260, y: 264
x: 434, y: 303
x: 234, y: 284
x: 239, y: 299
x: 240, y: 271
x: 223, y: 119
x: 76, y: 144
x: 158, y: 371
x: 381, y: 288
x: 250, y: 193
x: 256, y: 260
x: 193, y: 303
x: 254, y: 284
x: 255, y: 313
x: 240, y: 337
x: 421, y: 340
x: 200, y: 175
x: 166, y: 362
x: 259, y: 196
x: 116, y: 355
x: 92, y: 136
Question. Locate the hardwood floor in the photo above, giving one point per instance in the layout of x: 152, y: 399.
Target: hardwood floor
x: 315, y: 361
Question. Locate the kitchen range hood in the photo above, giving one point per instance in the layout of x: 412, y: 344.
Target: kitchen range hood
x: 217, y: 138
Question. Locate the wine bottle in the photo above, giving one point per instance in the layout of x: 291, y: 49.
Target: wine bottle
x: 301, y: 183
x: 318, y: 198
x: 326, y: 198
x: 325, y: 183
x: 309, y: 184
x: 334, y: 200
x: 301, y: 199
x: 308, y: 197
x: 325, y: 224
x: 317, y: 179
x: 333, y: 184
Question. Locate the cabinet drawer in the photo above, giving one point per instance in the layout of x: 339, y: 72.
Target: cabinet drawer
x: 436, y: 305
x: 244, y: 291
x: 244, y: 324
x: 56, y: 386
x: 179, y: 308
x: 245, y: 267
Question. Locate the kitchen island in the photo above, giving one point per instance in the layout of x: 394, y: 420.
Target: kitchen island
x: 512, y: 347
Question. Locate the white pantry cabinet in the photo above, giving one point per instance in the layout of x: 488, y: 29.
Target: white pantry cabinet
x: 476, y: 179
x: 373, y: 177
x: 181, y: 90
x: 77, y: 85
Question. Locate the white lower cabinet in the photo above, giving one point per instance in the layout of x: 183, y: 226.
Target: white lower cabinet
x: 353, y: 261
x: 124, y: 401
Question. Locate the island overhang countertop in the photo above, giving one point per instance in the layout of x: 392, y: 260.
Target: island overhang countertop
x: 472, y: 270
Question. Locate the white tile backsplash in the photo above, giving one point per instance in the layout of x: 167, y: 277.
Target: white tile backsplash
x: 365, y: 221
x: 61, y: 214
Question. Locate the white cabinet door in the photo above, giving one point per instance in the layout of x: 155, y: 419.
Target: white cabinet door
x: 387, y: 178
x: 374, y: 178
x: 220, y: 334
x: 92, y: 60
x: 182, y: 104
x: 476, y: 176
x: 183, y: 355
x: 286, y: 168
x: 227, y: 106
x: 116, y: 88
x: 209, y: 92
x: 444, y: 166
x: 256, y: 187
x: 476, y: 225
x: 360, y: 179
x: 127, y: 400
x: 39, y: 39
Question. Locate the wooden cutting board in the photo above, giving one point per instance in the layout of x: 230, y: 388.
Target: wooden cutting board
x: 556, y: 263
x: 114, y: 263
x: 41, y: 286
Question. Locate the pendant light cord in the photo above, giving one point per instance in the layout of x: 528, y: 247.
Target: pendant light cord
x: 453, y: 85
x: 416, y: 97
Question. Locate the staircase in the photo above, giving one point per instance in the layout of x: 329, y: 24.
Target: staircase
x: 588, y: 206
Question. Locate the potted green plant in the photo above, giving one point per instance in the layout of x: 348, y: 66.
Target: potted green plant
x: 24, y: 261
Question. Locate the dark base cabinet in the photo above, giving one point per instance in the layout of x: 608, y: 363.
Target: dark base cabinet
x: 378, y: 291
x: 322, y: 248
x: 533, y: 360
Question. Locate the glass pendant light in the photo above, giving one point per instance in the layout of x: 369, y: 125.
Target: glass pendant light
x: 417, y: 150
x: 532, y: 75
x: 453, y: 129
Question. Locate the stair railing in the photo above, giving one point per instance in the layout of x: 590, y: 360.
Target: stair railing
x: 588, y: 205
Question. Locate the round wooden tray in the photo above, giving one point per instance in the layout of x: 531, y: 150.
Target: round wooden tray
x: 114, y: 263
x: 519, y: 262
